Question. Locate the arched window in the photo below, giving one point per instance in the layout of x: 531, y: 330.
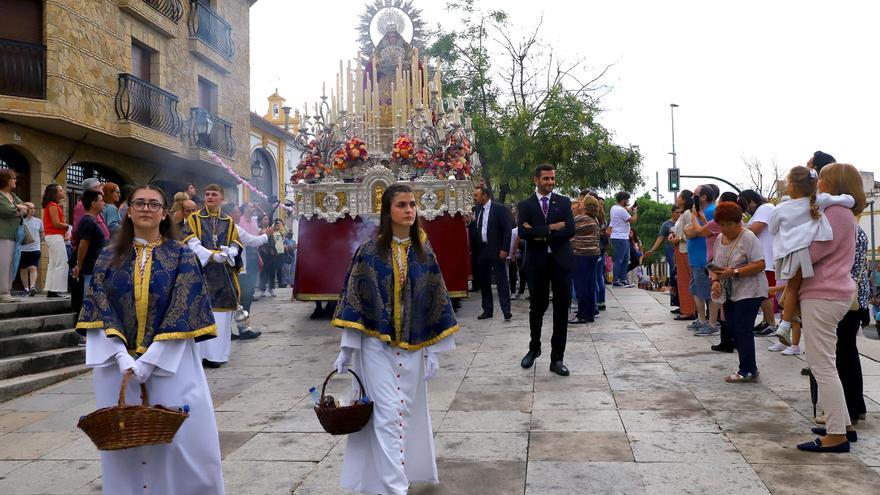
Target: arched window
x: 11, y: 158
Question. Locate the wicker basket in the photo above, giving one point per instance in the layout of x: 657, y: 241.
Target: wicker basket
x: 344, y: 419
x: 125, y: 426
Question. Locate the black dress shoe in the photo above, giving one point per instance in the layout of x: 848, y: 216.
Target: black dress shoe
x: 851, y: 436
x: 484, y: 316
x: 722, y: 348
x: 816, y: 446
x: 211, y: 364
x: 507, y: 317
x: 559, y: 368
x: 235, y: 336
x: 685, y: 318
x: 676, y: 311
x: 248, y: 334
x: 529, y: 359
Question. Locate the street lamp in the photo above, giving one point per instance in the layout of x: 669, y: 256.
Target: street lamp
x: 256, y: 167
x: 286, y: 118
x: 672, y: 107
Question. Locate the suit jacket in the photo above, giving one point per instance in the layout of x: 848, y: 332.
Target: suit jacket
x: 539, y: 237
x: 498, y: 232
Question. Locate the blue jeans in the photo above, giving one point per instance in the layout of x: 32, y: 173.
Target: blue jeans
x: 600, y: 280
x: 740, y: 319
x: 621, y: 259
x: 584, y: 276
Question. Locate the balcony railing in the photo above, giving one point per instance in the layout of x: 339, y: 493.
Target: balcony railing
x: 209, y: 27
x: 209, y: 131
x: 22, y: 69
x: 148, y: 105
x: 171, y: 9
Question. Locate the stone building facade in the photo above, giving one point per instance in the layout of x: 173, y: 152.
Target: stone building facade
x: 127, y: 90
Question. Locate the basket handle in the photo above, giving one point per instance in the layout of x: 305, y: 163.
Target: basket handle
x: 324, y: 387
x: 125, y: 377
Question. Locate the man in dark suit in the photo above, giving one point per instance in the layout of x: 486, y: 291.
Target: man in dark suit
x: 490, y: 241
x: 546, y: 223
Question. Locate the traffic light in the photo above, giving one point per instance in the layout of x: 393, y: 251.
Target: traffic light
x: 673, y: 176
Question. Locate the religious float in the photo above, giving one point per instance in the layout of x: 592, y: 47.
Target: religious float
x: 386, y: 121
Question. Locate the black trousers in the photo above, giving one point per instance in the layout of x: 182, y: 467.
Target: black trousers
x: 541, y: 278
x: 516, y: 273
x: 849, y: 366
x: 271, y: 271
x: 489, y: 270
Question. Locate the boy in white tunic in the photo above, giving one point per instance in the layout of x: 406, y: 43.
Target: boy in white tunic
x: 397, y: 316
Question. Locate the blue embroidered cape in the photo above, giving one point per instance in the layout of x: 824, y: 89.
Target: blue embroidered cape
x: 220, y: 278
x: 410, y: 310
x: 164, y: 301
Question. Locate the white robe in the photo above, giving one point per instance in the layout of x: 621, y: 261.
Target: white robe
x: 396, y: 447
x: 190, y: 464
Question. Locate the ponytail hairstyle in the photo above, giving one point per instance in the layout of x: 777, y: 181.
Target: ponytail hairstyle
x: 123, y: 246
x: 803, y: 183
x: 385, y: 230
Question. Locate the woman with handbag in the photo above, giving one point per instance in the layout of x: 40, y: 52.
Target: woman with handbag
x: 30, y: 251
x: 738, y: 282
x: 396, y: 315
x: 144, y: 311
x: 12, y: 210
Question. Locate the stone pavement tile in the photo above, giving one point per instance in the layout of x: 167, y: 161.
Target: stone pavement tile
x: 440, y: 399
x: 74, y: 386
x: 9, y: 466
x: 295, y: 420
x: 696, y: 448
x: 578, y: 364
x: 867, y: 449
x: 50, y: 477
x: 799, y: 400
x: 574, y: 399
x: 459, y: 477
x: 285, y: 447
x: 664, y: 399
x: 61, y: 421
x: 671, y: 420
x: 579, y: 446
x: 628, y: 352
x: 323, y: 480
x: 247, y: 420
x: 738, y: 397
x: 762, y: 421
x: 262, y: 477
x: 230, y: 441
x: 817, y: 479
x: 47, y: 402
x: 576, y: 478
x: 13, y: 420
x: 33, y: 445
x: 764, y: 448
x: 81, y: 449
x: 264, y: 401
x: 485, y: 421
x: 573, y: 382
x: 93, y: 488
x: 474, y: 384
x: 582, y: 420
x: 643, y: 376
x: 492, y: 401
x: 620, y: 337
x: 675, y: 478
x: 482, y: 447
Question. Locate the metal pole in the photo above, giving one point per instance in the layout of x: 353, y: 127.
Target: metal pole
x: 658, y: 186
x: 672, y: 107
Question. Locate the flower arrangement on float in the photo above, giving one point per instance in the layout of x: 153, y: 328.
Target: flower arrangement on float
x: 310, y: 167
x: 403, y: 148
x: 354, y: 150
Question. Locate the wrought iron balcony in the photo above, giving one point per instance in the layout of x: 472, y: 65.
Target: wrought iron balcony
x: 209, y: 131
x: 209, y: 27
x: 148, y: 105
x: 22, y: 69
x: 171, y: 9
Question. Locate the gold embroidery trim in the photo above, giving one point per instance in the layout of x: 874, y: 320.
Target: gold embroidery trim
x: 208, y: 330
x: 386, y: 338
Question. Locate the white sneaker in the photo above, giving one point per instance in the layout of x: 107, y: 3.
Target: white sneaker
x: 271, y: 292
x: 792, y: 350
x: 784, y: 335
x: 258, y: 294
x: 696, y: 325
x: 777, y: 347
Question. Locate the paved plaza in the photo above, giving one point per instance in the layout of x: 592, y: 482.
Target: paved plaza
x: 645, y: 410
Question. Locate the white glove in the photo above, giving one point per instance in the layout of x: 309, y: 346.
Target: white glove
x: 432, y: 365
x: 343, y: 361
x: 219, y: 257
x: 124, y: 361
x: 142, y: 371
x: 229, y: 253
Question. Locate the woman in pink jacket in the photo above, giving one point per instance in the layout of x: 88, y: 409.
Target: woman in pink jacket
x: 825, y: 298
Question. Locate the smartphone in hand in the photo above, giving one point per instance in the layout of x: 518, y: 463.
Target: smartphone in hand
x: 714, y: 267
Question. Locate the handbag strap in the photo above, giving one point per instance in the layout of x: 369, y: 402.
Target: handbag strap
x: 732, y: 248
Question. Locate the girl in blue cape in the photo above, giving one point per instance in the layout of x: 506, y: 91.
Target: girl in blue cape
x: 396, y: 315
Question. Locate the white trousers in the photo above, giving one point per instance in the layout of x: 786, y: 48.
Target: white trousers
x: 56, y: 275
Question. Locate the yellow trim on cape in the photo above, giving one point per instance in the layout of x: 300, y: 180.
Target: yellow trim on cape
x: 223, y: 310
x: 316, y: 297
x: 459, y: 294
x: 398, y: 286
x: 385, y: 338
x: 89, y: 324
x: 142, y: 290
x: 208, y: 330
x: 112, y: 331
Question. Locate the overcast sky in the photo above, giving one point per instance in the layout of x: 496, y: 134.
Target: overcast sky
x: 759, y: 79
